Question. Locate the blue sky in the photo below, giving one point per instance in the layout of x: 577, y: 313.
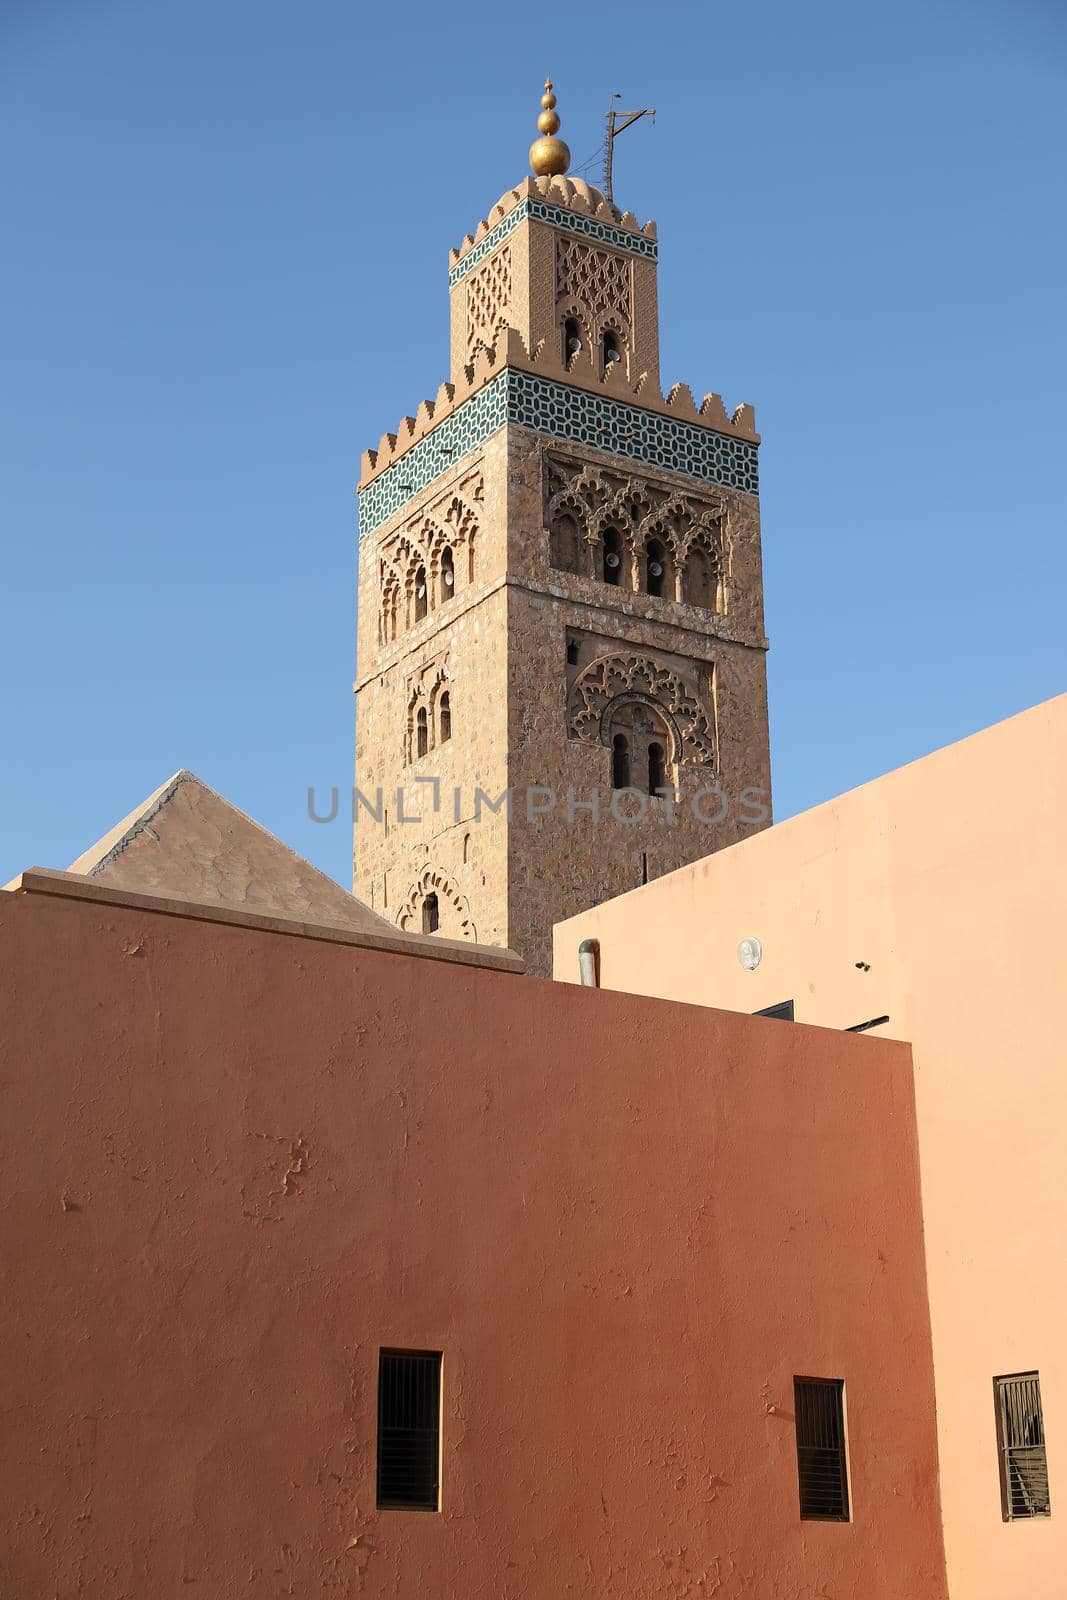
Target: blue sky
x: 226, y: 228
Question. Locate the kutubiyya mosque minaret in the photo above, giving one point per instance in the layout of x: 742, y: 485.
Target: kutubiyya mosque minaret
x: 561, y: 651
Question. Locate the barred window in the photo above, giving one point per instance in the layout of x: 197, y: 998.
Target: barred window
x: 821, y: 1465
x: 1021, y: 1439
x: 409, y: 1429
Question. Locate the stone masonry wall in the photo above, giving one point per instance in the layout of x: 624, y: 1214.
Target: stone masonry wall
x: 461, y: 647
x: 563, y: 856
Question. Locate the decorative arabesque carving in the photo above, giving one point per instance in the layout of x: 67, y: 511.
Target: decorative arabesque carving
x: 595, y: 281
x: 613, y: 681
x: 456, y: 919
x: 412, y: 557
x: 582, y: 500
x: 488, y: 302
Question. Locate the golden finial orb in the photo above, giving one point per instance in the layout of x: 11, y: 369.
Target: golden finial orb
x: 549, y: 156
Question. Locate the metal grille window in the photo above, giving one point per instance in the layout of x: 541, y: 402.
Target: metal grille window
x: 409, y: 1429
x: 1021, y: 1431
x: 820, y: 1414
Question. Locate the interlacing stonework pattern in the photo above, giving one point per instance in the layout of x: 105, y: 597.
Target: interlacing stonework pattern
x: 596, y: 282
x: 572, y: 221
x: 454, y: 907
x: 581, y: 501
x: 488, y: 302
x: 432, y: 552
x: 613, y: 681
x: 563, y: 412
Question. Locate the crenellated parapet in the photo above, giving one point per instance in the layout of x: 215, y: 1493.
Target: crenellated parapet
x: 509, y: 386
x: 568, y: 203
x: 579, y: 373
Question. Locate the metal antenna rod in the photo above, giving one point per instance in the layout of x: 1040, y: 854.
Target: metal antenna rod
x: 618, y: 122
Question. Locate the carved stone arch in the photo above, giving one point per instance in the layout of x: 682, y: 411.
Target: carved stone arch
x: 402, y: 553
x: 612, y: 322
x: 568, y: 500
x: 568, y: 533
x: 672, y: 523
x: 461, y: 518
x: 637, y: 697
x: 634, y: 502
x: 442, y: 679
x: 390, y: 605
x: 706, y: 566
x: 611, y: 325
x: 571, y: 311
x: 633, y: 675
x: 418, y: 700
x: 415, y: 561
x: 613, y: 513
x: 429, y: 532
x: 457, y: 921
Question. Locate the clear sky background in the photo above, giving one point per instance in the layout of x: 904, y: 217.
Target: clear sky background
x: 225, y: 234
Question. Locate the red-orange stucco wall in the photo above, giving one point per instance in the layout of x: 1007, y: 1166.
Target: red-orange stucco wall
x: 236, y: 1163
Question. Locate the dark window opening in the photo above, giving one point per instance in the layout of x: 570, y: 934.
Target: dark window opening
x: 448, y: 575
x: 610, y: 350
x: 446, y: 717
x: 655, y: 567
x: 612, y: 558
x: 620, y: 762
x: 422, y: 732
x: 1021, y: 1439
x: 657, y: 769
x: 409, y: 1430
x: 431, y: 914
x: 644, y: 866
x: 420, y: 594
x: 820, y: 1414
x: 572, y: 652
x: 783, y: 1011
x: 572, y: 338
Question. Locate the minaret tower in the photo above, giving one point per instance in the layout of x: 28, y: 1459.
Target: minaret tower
x: 561, y: 688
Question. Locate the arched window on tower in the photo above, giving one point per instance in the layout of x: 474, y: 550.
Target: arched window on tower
x: 448, y: 574
x: 640, y: 740
x: 612, y: 566
x: 421, y: 602
x: 620, y: 762
x: 572, y: 339
x: 657, y: 768
x: 422, y: 732
x: 445, y: 716
x: 609, y: 349
x: 431, y: 914
x: 657, y: 568
x: 389, y: 600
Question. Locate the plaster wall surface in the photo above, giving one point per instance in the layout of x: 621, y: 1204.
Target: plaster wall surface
x: 237, y: 1163
x: 934, y: 896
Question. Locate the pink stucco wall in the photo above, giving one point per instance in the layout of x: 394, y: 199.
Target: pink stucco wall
x: 936, y: 896
x: 236, y: 1163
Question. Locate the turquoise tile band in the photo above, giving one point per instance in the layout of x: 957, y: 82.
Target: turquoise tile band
x: 636, y: 244
x: 563, y: 412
